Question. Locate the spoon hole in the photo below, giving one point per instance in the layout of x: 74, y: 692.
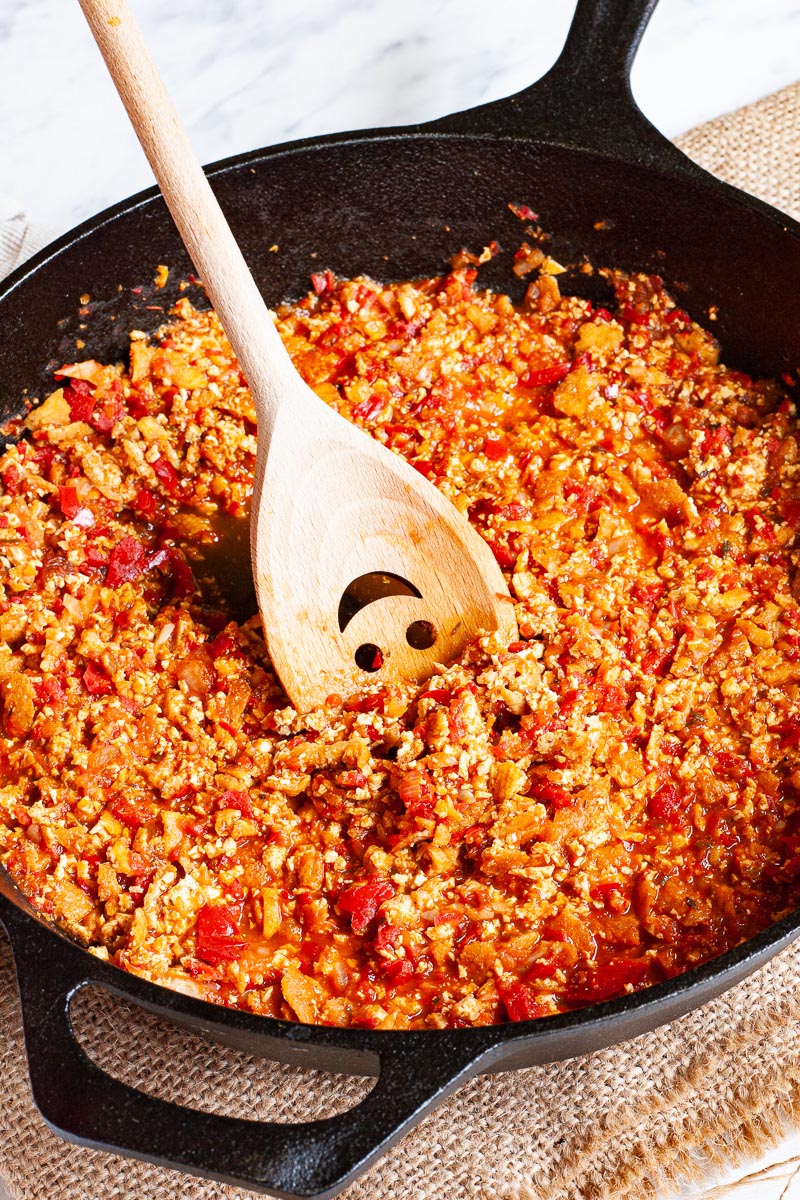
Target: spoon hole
x: 421, y: 635
x: 369, y: 657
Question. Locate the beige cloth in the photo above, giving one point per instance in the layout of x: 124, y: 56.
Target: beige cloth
x: 624, y: 1123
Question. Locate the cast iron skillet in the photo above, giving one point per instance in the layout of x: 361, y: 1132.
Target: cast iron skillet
x: 394, y: 204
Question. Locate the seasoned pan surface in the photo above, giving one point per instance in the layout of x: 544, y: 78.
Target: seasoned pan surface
x: 393, y: 205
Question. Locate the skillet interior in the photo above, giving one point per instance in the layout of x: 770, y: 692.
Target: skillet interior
x: 398, y: 207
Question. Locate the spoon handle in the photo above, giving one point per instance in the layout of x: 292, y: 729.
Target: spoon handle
x: 213, y: 249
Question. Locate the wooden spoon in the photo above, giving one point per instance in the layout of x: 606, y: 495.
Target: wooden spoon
x: 363, y: 570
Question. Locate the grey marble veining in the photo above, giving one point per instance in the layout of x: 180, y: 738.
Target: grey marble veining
x: 246, y: 73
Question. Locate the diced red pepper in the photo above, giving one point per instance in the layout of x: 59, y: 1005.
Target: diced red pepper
x: 362, y: 901
x: 137, y: 405
x: 524, y: 212
x: 106, y: 413
x: 440, y: 695
x: 168, y: 476
x: 145, y: 503
x: 127, y: 561
x: 80, y: 398
x: 95, y: 557
x: 223, y: 645
x: 634, y: 317
x: 68, y: 501
x: 219, y: 939
x: 183, y: 581
x: 12, y: 479
x: 323, y: 281
x: 96, y: 681
x: 415, y: 789
x: 368, y: 409
x: 521, y: 1002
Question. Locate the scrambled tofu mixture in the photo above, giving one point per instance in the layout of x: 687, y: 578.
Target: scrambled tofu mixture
x: 599, y: 806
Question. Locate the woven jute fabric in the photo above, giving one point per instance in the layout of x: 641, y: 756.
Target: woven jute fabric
x: 631, y: 1121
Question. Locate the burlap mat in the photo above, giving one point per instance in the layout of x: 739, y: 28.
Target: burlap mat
x: 625, y: 1123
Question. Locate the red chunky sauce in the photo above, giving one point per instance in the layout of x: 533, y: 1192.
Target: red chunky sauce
x: 601, y: 805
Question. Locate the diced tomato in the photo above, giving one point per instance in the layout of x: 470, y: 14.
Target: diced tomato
x: 415, y: 789
x: 611, y: 979
x: 96, y: 681
x: 399, y: 971
x: 521, y: 1002
x: 134, y: 815
x: 505, y: 556
x: 542, y: 376
x: 440, y: 695
x: 647, y: 593
x: 666, y: 803
x: 127, y: 561
x: 362, y: 901
x: 495, y: 448
x: 218, y: 936
x: 655, y: 662
x: 789, y: 732
x: 238, y: 800
x: 49, y: 691
x: 552, y: 793
x: 387, y: 937
x: 365, y: 704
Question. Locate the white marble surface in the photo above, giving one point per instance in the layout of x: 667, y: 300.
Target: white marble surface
x: 246, y: 73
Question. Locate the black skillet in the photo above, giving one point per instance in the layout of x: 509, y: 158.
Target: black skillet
x: 394, y: 204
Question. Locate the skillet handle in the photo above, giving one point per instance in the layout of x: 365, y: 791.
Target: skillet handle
x: 585, y: 99
x: 315, y: 1159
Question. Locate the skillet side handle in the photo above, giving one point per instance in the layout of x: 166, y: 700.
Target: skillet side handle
x: 585, y: 99
x: 316, y: 1159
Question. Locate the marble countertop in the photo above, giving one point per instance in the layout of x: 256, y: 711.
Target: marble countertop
x: 244, y: 74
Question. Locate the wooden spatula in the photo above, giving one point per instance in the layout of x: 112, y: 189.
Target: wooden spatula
x: 363, y: 570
